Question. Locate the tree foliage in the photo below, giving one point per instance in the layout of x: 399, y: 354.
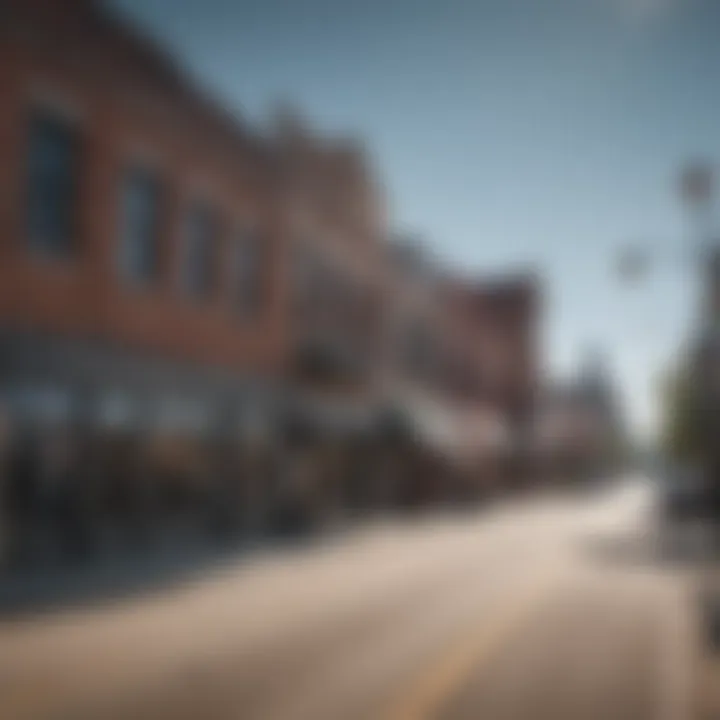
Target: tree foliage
x: 682, y: 434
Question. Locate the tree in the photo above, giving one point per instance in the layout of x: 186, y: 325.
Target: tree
x: 682, y: 434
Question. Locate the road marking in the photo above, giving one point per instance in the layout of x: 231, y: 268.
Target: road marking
x: 435, y: 686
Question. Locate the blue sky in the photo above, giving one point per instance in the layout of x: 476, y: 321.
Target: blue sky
x: 508, y: 132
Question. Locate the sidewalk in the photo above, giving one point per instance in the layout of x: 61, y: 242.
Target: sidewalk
x: 708, y: 643
x: 125, y: 572
x: 708, y: 689
x: 111, y: 576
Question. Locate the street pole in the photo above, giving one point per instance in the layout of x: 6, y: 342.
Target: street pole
x: 696, y: 189
x: 697, y: 192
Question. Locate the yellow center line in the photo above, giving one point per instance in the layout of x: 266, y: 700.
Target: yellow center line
x: 431, y: 689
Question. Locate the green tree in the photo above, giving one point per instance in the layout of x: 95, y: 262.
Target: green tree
x: 682, y: 436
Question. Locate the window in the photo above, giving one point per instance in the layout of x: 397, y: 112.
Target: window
x: 304, y: 274
x: 248, y: 272
x: 53, y: 183
x: 314, y: 282
x: 199, y: 262
x: 418, y: 350
x: 140, y: 208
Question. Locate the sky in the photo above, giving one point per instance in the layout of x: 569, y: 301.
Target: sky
x: 509, y: 133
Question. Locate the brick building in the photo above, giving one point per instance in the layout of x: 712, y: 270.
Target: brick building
x: 140, y: 248
x: 497, y: 318
x: 332, y: 212
x: 580, y: 426
x: 330, y: 207
x: 165, y: 269
x: 460, y: 359
x: 493, y: 334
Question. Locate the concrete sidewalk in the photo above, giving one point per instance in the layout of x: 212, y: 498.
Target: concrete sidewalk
x: 707, y: 627
x: 112, y: 576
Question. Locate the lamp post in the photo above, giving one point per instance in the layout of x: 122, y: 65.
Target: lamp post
x: 696, y: 191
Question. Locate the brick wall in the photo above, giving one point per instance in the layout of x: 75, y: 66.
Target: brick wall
x: 128, y: 105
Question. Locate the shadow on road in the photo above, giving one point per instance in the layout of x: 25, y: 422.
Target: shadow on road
x: 672, y: 549
x: 47, y: 589
x: 125, y: 574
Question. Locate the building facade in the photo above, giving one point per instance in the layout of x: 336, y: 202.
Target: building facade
x: 139, y: 221
x: 167, y: 271
x: 581, y: 433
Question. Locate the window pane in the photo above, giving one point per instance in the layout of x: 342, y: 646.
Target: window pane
x: 248, y: 280
x: 200, y: 252
x: 53, y: 175
x: 140, y: 225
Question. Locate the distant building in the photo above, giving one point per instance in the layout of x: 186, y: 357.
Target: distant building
x: 499, y: 318
x: 492, y: 349
x: 579, y: 428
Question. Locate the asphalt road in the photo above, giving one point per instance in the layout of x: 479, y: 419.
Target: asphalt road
x: 542, y: 608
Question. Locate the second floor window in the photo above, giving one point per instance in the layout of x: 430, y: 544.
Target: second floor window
x: 139, y: 255
x: 199, y: 261
x: 418, y: 351
x: 248, y: 277
x: 314, y: 283
x: 53, y: 179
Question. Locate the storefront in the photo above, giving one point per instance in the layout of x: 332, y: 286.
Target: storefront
x: 146, y: 445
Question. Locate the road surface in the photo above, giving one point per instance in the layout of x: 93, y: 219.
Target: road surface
x: 543, y: 608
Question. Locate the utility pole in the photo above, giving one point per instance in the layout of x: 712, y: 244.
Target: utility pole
x: 697, y: 189
x: 697, y: 192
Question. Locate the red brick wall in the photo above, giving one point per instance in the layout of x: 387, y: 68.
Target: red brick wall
x: 122, y: 114
x: 331, y: 211
x: 492, y: 327
x: 131, y: 101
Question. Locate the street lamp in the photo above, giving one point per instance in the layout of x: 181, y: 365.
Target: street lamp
x: 696, y: 187
x: 697, y: 190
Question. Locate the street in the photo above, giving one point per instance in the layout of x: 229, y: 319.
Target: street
x: 549, y: 607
